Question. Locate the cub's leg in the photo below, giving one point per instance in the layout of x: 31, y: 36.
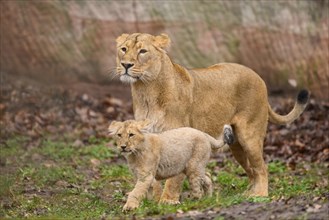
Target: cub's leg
x: 138, y: 193
x: 196, y: 180
x: 172, y: 190
x: 251, y: 138
x: 200, y: 184
x: 196, y: 171
x: 207, y: 185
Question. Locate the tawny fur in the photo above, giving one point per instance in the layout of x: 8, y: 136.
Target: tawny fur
x: 160, y: 156
x: 172, y: 96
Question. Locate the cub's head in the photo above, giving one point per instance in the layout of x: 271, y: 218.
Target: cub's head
x: 129, y: 134
x: 139, y: 56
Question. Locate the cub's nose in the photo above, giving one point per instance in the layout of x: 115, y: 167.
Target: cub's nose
x: 127, y: 65
x: 123, y: 147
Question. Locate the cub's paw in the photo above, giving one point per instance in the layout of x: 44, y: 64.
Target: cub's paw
x: 169, y: 202
x: 130, y: 206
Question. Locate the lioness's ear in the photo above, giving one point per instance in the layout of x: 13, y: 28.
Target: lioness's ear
x: 121, y: 39
x: 162, y: 41
x: 114, y: 127
x: 145, y: 126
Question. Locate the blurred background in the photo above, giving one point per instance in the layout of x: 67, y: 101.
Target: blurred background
x: 73, y: 42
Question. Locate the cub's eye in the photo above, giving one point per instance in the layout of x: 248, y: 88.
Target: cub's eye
x: 131, y: 135
x: 123, y: 49
x: 119, y: 135
x: 142, y: 51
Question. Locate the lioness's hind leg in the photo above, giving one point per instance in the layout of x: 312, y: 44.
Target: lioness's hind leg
x: 251, y: 138
x: 255, y: 156
x: 242, y: 159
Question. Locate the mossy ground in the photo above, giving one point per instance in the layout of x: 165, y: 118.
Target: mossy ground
x: 56, y: 179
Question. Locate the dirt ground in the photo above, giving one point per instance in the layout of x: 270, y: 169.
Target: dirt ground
x: 85, y: 109
x: 309, y: 208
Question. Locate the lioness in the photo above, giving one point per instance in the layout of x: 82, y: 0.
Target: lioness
x: 172, y: 96
x: 160, y: 156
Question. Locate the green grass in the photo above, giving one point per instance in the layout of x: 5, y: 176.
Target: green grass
x: 11, y: 147
x: 42, y: 176
x: 59, y: 180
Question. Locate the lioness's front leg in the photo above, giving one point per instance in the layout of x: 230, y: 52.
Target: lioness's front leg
x: 138, y: 193
x: 172, y: 190
x: 156, y: 190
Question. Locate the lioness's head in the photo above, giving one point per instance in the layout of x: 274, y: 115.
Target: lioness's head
x: 128, y: 134
x: 139, y: 56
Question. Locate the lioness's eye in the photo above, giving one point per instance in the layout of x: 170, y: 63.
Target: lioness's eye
x: 131, y: 135
x: 119, y: 135
x: 124, y: 49
x: 142, y: 51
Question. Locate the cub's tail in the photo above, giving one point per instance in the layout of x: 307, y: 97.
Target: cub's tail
x: 300, y: 105
x: 228, y: 135
x: 226, y: 138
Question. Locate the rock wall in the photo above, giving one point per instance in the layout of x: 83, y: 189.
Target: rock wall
x: 286, y: 42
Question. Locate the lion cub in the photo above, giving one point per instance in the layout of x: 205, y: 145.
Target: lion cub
x: 159, y: 156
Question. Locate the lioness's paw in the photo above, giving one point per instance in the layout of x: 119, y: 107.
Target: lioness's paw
x: 169, y: 202
x: 254, y: 193
x: 130, y: 206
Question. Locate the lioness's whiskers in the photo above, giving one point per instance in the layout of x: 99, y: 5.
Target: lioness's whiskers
x: 114, y: 75
x: 146, y: 78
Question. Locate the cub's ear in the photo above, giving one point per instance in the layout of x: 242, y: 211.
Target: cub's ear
x: 145, y: 126
x: 162, y: 41
x: 114, y: 127
x: 121, y: 39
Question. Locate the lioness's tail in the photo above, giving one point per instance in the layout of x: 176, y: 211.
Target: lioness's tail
x: 226, y: 137
x: 300, y: 105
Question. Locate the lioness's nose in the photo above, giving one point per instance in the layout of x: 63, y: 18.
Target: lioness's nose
x: 123, y: 147
x: 127, y: 65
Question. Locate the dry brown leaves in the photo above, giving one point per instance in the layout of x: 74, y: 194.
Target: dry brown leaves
x: 306, y: 139
x: 27, y: 110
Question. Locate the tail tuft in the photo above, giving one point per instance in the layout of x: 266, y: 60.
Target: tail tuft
x: 303, y: 97
x: 300, y: 105
x: 228, y: 135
